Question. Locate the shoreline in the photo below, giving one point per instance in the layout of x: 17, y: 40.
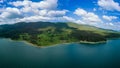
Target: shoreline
x: 80, y: 42
x: 92, y: 43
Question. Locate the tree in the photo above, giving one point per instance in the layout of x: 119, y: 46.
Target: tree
x: 25, y: 36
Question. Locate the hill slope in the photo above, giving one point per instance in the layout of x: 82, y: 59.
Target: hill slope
x: 46, y: 33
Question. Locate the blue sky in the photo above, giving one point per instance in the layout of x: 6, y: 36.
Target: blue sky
x: 100, y: 13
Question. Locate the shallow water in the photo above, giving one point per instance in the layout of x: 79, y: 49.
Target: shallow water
x: 22, y: 55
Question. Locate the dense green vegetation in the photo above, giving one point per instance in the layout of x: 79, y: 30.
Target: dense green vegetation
x: 46, y: 33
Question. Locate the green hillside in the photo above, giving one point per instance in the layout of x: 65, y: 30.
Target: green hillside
x: 91, y: 28
x: 47, y: 33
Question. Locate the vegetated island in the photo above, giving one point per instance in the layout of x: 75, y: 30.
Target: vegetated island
x: 48, y: 33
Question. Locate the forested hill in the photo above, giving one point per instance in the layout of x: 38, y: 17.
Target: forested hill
x: 47, y: 33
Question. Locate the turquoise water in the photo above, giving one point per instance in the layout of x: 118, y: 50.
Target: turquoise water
x: 22, y: 55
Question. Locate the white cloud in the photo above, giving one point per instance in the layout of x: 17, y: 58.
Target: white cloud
x: 109, y: 5
x: 43, y: 12
x: 41, y: 18
x: 46, y: 10
x: 109, y: 18
x: 45, y: 4
x: 28, y: 11
x: 87, y: 17
x: 91, y: 17
x: 35, y: 19
x: 42, y: 8
x: 80, y: 12
x: 10, y: 13
x: 84, y: 17
x: 111, y: 24
x: 70, y: 19
x: 56, y: 13
x: 48, y: 4
x: 2, y: 10
x: 52, y: 13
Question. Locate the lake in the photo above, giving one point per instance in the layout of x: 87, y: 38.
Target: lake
x: 14, y: 54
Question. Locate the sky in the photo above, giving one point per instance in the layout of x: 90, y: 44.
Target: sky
x: 99, y: 13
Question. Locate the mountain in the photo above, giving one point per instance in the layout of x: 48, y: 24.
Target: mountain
x: 47, y: 33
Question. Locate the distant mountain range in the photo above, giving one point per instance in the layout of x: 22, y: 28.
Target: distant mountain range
x: 48, y: 33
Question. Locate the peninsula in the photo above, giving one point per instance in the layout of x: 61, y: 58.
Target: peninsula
x: 48, y: 33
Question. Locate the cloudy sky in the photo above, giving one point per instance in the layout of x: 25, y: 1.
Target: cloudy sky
x: 100, y: 13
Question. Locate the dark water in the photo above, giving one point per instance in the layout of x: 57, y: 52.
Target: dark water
x: 22, y: 55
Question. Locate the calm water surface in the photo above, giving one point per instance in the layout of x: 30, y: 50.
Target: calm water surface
x: 22, y: 55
